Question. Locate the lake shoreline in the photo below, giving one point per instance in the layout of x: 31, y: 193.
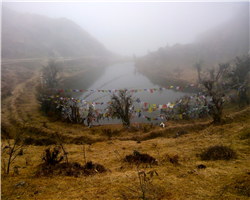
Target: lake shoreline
x: 159, y: 79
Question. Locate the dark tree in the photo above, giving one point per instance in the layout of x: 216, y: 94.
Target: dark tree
x: 122, y: 104
x: 222, y: 70
x: 216, y: 104
x: 197, y: 66
x: 51, y: 73
x: 211, y: 73
x: 240, y: 72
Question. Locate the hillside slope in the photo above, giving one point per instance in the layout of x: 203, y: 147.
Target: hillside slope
x: 220, y: 44
x: 32, y: 35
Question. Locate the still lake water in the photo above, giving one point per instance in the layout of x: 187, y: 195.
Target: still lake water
x: 120, y: 76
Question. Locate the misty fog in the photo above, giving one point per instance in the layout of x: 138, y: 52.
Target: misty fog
x: 128, y: 28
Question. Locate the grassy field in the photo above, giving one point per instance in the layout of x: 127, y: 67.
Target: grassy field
x: 175, y: 176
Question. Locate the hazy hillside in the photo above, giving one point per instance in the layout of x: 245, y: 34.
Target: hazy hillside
x: 32, y: 35
x: 220, y: 44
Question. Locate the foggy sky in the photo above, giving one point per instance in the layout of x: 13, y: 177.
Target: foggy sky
x: 130, y: 28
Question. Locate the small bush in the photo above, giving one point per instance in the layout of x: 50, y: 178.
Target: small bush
x: 141, y: 158
x: 218, y: 152
x: 71, y: 169
x: 52, y: 157
x: 39, y: 141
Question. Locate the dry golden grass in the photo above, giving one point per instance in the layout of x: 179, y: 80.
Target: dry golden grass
x: 220, y: 180
x: 183, y: 181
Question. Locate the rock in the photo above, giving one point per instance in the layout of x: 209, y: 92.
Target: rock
x: 138, y: 142
x: 201, y: 166
x: 22, y: 183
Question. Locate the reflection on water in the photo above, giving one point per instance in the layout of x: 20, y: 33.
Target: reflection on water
x: 120, y: 76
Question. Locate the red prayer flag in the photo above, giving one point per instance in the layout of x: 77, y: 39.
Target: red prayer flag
x: 62, y: 90
x: 145, y: 104
x: 151, y: 90
x: 180, y: 88
x: 166, y: 87
x: 81, y: 90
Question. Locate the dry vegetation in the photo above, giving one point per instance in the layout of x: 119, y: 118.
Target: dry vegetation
x: 180, y: 171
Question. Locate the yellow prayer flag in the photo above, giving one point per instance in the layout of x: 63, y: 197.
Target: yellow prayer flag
x: 180, y: 116
x: 171, y: 86
x: 154, y: 105
x: 150, y: 110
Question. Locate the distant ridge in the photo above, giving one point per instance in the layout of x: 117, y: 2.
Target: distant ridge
x: 220, y: 44
x: 32, y: 35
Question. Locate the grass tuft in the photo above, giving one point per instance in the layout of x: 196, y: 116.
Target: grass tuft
x: 218, y: 152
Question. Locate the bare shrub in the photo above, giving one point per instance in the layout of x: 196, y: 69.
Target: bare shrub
x: 218, y: 152
x: 138, y: 158
x: 52, y: 157
x: 16, y: 148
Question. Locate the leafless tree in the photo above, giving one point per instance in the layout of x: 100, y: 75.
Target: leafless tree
x: 16, y: 147
x: 216, y: 104
x: 197, y: 66
x: 51, y: 73
x: 122, y: 105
